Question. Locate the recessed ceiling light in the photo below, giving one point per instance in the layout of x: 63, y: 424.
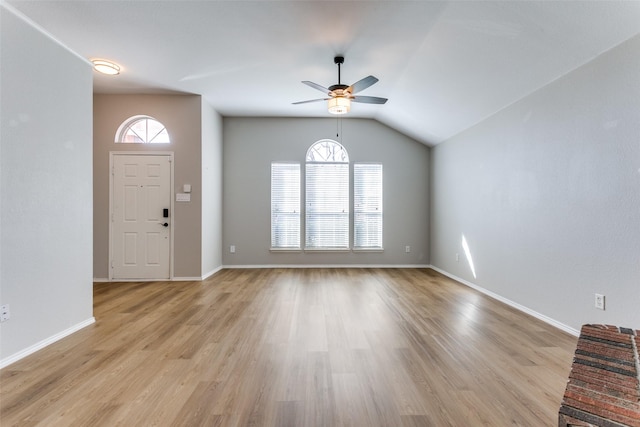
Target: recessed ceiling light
x: 106, y: 67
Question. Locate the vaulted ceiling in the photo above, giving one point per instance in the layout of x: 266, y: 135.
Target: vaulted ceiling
x: 444, y: 65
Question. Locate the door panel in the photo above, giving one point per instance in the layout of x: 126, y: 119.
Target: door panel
x: 141, y: 243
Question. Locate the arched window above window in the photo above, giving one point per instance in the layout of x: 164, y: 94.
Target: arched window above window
x: 327, y: 150
x: 142, y: 130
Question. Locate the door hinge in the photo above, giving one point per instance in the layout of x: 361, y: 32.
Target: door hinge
x: 112, y: 264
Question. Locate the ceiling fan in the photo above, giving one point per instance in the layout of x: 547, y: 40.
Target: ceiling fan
x: 340, y: 96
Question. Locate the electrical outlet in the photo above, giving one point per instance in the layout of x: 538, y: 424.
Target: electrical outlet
x: 407, y: 249
x: 232, y: 249
x: 600, y: 301
x: 5, y: 314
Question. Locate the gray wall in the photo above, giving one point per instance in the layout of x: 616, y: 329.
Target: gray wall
x: 46, y: 210
x: 181, y: 114
x: 547, y: 193
x: 251, y: 144
x: 211, y: 190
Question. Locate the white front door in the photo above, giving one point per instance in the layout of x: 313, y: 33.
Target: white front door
x: 140, y: 216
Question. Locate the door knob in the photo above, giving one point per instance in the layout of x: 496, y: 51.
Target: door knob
x: 164, y: 224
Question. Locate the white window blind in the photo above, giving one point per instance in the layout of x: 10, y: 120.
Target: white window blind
x: 367, y: 206
x: 285, y: 205
x: 327, y: 206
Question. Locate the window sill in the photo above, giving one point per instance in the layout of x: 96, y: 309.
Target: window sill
x: 327, y: 249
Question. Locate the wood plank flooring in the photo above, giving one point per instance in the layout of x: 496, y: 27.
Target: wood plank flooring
x: 295, y: 347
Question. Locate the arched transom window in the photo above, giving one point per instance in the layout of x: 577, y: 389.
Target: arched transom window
x: 327, y: 150
x: 142, y: 130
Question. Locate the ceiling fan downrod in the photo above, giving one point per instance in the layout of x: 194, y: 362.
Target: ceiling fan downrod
x: 339, y: 60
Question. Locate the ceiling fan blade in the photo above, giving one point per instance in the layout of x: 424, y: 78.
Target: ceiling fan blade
x: 311, y: 100
x: 317, y: 86
x: 369, y: 99
x: 362, y: 84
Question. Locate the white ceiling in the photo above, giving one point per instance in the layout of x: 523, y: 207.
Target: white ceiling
x: 444, y: 65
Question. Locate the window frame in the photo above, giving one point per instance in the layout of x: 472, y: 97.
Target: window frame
x: 297, y: 248
x: 123, y: 131
x: 336, y: 205
x: 348, y: 225
x: 357, y: 207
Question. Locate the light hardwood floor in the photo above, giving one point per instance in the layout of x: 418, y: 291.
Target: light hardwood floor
x: 295, y: 347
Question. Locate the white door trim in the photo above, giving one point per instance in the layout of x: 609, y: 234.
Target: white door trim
x: 112, y: 155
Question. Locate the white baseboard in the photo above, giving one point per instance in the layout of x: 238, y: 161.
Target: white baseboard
x: 197, y: 279
x: 520, y: 307
x: 174, y: 279
x: 212, y: 272
x: 42, y: 344
x: 223, y: 267
x: 326, y: 266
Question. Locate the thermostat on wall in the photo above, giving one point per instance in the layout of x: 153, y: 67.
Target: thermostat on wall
x: 186, y: 188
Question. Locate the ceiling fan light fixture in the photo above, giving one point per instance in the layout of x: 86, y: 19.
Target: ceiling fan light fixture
x: 339, y: 105
x: 106, y: 67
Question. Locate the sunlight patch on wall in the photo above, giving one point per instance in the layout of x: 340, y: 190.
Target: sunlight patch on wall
x: 467, y: 253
